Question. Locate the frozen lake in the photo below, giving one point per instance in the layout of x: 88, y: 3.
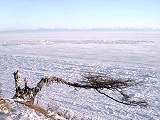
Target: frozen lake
x: 68, y: 55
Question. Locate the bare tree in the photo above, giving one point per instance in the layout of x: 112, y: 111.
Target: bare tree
x: 90, y: 81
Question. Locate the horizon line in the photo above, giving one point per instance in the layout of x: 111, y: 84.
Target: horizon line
x: 84, y: 29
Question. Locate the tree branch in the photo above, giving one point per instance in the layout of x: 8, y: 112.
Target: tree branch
x: 96, y: 82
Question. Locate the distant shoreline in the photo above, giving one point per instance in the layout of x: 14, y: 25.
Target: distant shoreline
x: 87, y: 30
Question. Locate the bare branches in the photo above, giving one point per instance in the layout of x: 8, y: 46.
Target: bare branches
x: 127, y: 101
x: 99, y: 83
x: 90, y: 81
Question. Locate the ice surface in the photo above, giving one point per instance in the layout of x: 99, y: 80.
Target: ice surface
x: 71, y: 54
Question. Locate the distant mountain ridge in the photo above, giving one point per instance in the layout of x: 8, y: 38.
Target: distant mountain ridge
x: 76, y: 29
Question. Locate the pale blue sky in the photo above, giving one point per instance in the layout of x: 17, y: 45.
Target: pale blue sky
x: 28, y: 14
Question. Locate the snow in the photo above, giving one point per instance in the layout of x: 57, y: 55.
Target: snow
x: 69, y: 55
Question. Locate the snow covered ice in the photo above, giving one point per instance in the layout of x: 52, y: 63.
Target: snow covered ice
x: 68, y: 55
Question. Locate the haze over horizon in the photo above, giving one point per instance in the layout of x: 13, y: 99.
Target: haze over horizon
x: 80, y: 14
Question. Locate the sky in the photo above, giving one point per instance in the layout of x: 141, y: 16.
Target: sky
x: 78, y: 14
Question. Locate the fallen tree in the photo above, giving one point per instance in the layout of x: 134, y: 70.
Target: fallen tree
x: 99, y: 83
x: 90, y: 81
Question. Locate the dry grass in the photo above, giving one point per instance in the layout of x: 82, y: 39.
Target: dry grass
x: 4, y: 106
x: 45, y: 112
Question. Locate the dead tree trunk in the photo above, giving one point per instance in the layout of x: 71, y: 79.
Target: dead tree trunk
x: 17, y: 81
x: 96, y: 82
